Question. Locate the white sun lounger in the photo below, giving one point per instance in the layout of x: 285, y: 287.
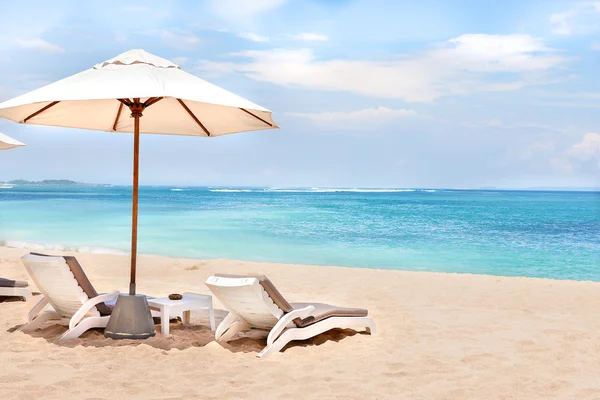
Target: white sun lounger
x: 10, y: 288
x: 254, y: 302
x: 70, y: 294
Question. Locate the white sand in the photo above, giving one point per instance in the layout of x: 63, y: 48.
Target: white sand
x: 440, y: 336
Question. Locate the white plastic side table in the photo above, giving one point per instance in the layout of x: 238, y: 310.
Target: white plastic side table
x: 189, y: 302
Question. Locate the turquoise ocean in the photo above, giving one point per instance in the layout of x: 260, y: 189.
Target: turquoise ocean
x: 547, y: 234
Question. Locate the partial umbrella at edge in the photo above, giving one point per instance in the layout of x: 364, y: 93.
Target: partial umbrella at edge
x: 6, y: 142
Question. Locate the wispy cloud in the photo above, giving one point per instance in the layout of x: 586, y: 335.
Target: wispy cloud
x: 582, y: 18
x: 367, y: 118
x: 180, y: 60
x: 595, y: 46
x: 499, y: 124
x: 38, y: 44
x: 136, y: 8
x: 536, y: 149
x: 562, y: 164
x: 494, y: 122
x: 364, y: 114
x: 253, y: 37
x: 120, y: 37
x: 176, y: 38
x: 310, y: 37
x: 584, y: 155
x: 462, y: 65
x: 243, y: 11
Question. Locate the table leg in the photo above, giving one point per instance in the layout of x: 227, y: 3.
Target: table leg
x: 186, y: 317
x: 164, y: 321
x: 211, y: 315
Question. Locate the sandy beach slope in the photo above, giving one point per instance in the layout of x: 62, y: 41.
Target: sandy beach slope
x: 440, y: 336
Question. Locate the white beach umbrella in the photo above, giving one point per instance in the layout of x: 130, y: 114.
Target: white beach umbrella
x: 170, y: 100
x: 6, y: 142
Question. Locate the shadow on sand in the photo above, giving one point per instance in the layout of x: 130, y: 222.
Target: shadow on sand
x: 196, y: 334
x: 16, y: 299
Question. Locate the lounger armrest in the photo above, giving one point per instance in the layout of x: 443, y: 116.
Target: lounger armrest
x: 87, y: 306
x: 285, y: 320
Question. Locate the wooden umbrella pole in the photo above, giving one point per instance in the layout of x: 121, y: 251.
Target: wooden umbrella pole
x: 136, y: 113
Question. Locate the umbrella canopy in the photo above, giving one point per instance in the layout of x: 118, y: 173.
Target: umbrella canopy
x: 6, y: 142
x: 181, y: 103
x: 167, y: 100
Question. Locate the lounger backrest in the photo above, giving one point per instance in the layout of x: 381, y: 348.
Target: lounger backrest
x: 56, y: 282
x: 247, y: 298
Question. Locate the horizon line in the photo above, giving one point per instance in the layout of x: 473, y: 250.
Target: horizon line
x: 223, y: 186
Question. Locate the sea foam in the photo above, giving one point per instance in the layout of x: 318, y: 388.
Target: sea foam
x: 22, y: 244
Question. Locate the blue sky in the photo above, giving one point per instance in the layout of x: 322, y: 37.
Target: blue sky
x: 368, y: 93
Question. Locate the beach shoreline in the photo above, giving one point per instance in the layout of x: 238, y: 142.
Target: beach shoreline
x: 440, y: 336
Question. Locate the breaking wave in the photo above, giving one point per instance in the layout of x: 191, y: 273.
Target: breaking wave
x: 318, y: 190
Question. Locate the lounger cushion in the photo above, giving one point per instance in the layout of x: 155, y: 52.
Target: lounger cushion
x: 83, y: 281
x: 323, y: 311
x: 13, y: 284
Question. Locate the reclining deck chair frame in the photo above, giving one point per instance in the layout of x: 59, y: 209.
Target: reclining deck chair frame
x: 254, y: 302
x: 67, y: 290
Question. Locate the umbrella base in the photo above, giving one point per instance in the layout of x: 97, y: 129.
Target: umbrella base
x: 130, y: 319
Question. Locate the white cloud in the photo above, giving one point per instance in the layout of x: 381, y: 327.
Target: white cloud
x: 38, y: 44
x: 462, y: 65
x: 587, y: 149
x: 175, y: 38
x: 583, y: 154
x: 497, y: 123
x: 310, y: 37
x: 367, y: 114
x: 253, y: 37
x: 180, y: 39
x: 595, y: 46
x: 583, y: 18
x: 361, y: 122
x: 498, y: 53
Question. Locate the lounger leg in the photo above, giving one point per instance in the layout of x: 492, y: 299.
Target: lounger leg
x: 291, y: 334
x: 357, y: 323
x: 229, y: 327
x: 83, y: 326
x: 164, y: 321
x: 39, y: 320
x: 39, y: 306
x: 278, y: 344
x: 224, y: 325
x: 211, y: 315
x: 371, y: 327
x: 26, y: 295
x: 186, y: 317
x: 235, y: 328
